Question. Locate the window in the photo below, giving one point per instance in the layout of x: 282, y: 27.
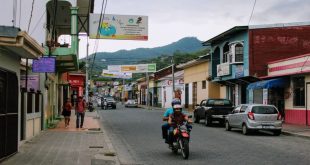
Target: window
x: 243, y: 108
x: 299, y: 91
x: 218, y: 102
x: 204, y: 103
x: 239, y: 53
x: 237, y: 109
x: 264, y: 110
x: 204, y: 84
x: 226, y: 53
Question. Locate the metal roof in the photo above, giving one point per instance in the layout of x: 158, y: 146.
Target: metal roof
x: 199, y: 60
x: 225, y: 35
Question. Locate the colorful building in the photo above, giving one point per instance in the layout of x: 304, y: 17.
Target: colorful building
x: 197, y: 82
x: 296, y: 92
x: 239, y: 56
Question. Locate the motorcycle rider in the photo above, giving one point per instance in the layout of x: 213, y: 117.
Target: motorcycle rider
x: 169, y: 111
x: 176, y: 118
x: 105, y: 103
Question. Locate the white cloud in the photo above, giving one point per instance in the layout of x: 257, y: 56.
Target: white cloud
x: 170, y: 20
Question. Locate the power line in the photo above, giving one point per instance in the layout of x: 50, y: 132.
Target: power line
x: 54, y: 21
x: 35, y: 27
x: 252, y: 12
x: 20, y: 12
x: 14, y: 12
x: 30, y: 16
x: 102, y: 13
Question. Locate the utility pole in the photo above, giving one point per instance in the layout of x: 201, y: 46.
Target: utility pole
x: 86, y: 64
x: 147, y: 90
x: 172, y: 70
x: 123, y: 92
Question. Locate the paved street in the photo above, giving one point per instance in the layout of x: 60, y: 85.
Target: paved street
x: 136, y: 136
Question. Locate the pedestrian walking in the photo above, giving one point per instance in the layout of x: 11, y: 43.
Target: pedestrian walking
x: 80, y: 108
x: 66, y: 112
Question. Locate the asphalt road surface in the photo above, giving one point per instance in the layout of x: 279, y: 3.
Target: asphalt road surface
x: 136, y: 136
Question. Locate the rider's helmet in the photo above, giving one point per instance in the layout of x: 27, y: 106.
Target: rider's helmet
x: 177, y: 107
x: 175, y: 101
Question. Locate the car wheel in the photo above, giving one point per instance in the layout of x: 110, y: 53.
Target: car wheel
x: 196, y: 118
x: 227, y: 126
x: 245, y: 130
x: 208, y: 121
x: 277, y: 132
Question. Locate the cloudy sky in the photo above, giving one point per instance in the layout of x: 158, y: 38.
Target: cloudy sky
x: 171, y: 20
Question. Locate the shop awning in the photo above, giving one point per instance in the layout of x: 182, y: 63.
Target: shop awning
x: 266, y: 84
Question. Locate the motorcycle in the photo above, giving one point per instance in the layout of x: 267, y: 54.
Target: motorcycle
x: 181, y: 139
x: 90, y: 107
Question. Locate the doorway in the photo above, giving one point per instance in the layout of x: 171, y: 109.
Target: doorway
x: 307, y: 104
x: 8, y: 113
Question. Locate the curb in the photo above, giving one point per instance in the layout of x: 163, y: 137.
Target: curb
x: 150, y: 108
x: 109, y: 157
x: 294, y: 134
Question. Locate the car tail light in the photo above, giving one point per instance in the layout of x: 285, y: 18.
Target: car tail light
x: 279, y: 117
x: 251, y: 115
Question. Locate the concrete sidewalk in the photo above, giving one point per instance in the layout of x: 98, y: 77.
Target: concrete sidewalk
x: 296, y: 130
x: 89, y: 145
x: 288, y: 129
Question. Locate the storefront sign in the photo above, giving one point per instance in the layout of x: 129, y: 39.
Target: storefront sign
x: 119, y: 27
x: 169, y: 82
x: 32, y: 83
x: 290, y: 66
x: 223, y: 69
x: 239, y: 71
x: 44, y: 65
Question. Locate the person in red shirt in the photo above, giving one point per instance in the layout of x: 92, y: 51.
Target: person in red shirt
x: 67, y: 112
x: 176, y: 118
x: 80, y: 112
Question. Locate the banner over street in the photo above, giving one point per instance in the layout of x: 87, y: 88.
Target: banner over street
x: 119, y: 27
x: 140, y: 68
x: 106, y: 73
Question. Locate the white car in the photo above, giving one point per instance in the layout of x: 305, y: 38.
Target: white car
x: 253, y: 117
x: 131, y: 103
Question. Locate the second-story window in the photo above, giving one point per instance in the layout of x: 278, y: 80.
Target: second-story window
x: 226, y: 53
x: 239, y: 53
x: 204, y: 85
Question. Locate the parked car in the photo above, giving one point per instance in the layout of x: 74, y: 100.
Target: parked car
x: 131, y: 103
x: 253, y: 117
x: 212, y: 110
x: 110, y: 102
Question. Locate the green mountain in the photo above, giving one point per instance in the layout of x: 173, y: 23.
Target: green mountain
x: 121, y: 57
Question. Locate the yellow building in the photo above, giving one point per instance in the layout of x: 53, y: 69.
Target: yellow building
x: 197, y: 86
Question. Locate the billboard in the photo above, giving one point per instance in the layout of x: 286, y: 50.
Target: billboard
x: 140, y: 68
x: 119, y: 27
x: 44, y: 65
x: 108, y: 74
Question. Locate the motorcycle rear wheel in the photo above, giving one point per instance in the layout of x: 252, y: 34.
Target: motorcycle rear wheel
x: 185, y: 148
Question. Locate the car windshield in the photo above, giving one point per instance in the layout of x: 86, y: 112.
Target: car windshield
x: 219, y: 102
x: 109, y: 99
x: 264, y: 110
